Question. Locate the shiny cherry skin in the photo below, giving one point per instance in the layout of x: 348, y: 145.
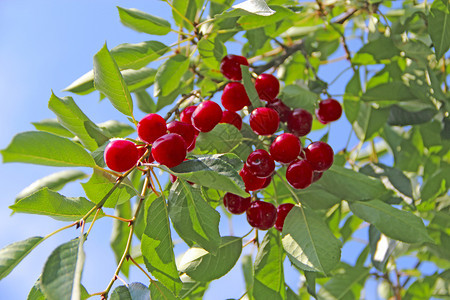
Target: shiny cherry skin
x: 267, y: 87
x: 186, y: 114
x: 260, y: 163
x: 169, y: 150
x: 151, y: 127
x: 121, y: 155
x: 282, y: 211
x: 267, y: 181
x: 282, y: 109
x: 187, y: 131
x: 206, y: 116
x: 234, y: 96
x: 299, y: 174
x: 329, y: 110
x: 231, y: 117
x: 230, y: 66
x: 264, y: 121
x: 236, y: 204
x: 285, y: 148
x: 300, y: 122
x: 252, y: 183
x: 261, y: 215
x: 320, y: 155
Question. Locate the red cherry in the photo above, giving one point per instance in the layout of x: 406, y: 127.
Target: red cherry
x: 299, y: 174
x: 252, y: 183
x: 317, y: 176
x: 230, y: 66
x: 282, y: 109
x: 186, y: 114
x: 267, y: 87
x: 267, y: 182
x: 169, y: 150
x: 187, y: 131
x: 121, y: 155
x: 192, y: 145
x: 264, y: 121
x: 285, y: 148
x: 329, y: 110
x: 236, y: 204
x: 261, y: 215
x: 260, y: 163
x: 320, y: 155
x: 230, y: 117
x: 282, y: 212
x: 206, y: 116
x: 300, y: 122
x: 151, y: 127
x: 234, y: 96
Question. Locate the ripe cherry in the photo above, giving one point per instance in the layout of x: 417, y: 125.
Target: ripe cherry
x: 299, y: 174
x: 300, y: 122
x: 230, y: 117
x: 282, y: 109
x: 234, y: 96
x: 121, y: 155
x: 151, y: 127
x: 264, y: 121
x: 169, y: 150
x: 187, y: 131
x: 267, y: 87
x: 206, y: 116
x: 230, y: 66
x: 261, y: 215
x: 329, y: 110
x: 266, y: 182
x: 285, y: 148
x: 252, y: 183
x: 260, y: 163
x: 282, y: 211
x: 236, y: 204
x: 320, y: 155
x: 186, y: 114
x: 192, y: 145
x: 317, y: 176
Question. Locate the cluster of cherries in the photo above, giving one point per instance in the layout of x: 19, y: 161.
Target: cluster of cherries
x: 170, y: 142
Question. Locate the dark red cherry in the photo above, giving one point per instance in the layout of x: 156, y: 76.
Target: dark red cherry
x: 230, y: 117
x: 234, y: 96
x: 282, y: 211
x: 236, y: 204
x: 282, y: 109
x: 299, y: 174
x: 187, y: 131
x: 151, y: 127
x: 267, y: 182
x: 121, y: 155
x: 264, y: 121
x: 260, y: 163
x: 186, y: 114
x: 169, y: 150
x: 206, y: 116
x: 285, y: 148
x: 320, y: 155
x: 300, y: 122
x: 261, y: 215
x: 192, y: 145
x: 252, y: 183
x: 230, y: 66
x: 267, y: 87
x: 317, y: 176
x: 329, y: 110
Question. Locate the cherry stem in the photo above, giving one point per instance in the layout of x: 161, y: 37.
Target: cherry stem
x: 289, y: 188
x: 118, y: 218
x: 93, y: 221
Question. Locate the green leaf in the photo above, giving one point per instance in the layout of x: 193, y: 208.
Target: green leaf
x: 73, y: 118
x: 295, y: 96
x: 439, y: 26
x: 221, y: 139
x: 369, y: 121
x: 268, y: 275
x: 52, y: 126
x: 134, y: 291
x: 308, y: 242
x: 55, y: 182
x: 159, y: 292
x: 116, y: 128
x: 101, y: 183
x: 37, y: 294
x: 136, y: 56
x: 376, y: 51
x: 192, y: 217
x: 145, y: 102
x: 82, y: 85
x: 121, y: 293
x: 187, y: 8
x: 391, y: 91
x: 399, y: 116
x: 49, y: 203
x: 43, y: 148
x: 143, y: 22
x: 394, y: 223
x: 169, y: 74
x: 253, y: 21
x: 352, y: 96
x: 218, y: 171
x: 381, y: 248
x: 212, y: 51
x: 59, y: 271
x: 12, y: 255
x: 139, y: 79
x: 247, y: 270
x: 257, y: 7
x: 250, y: 87
x: 341, y: 285
x: 119, y: 235
x: 109, y: 81
x: 157, y: 247
x: 202, y: 266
